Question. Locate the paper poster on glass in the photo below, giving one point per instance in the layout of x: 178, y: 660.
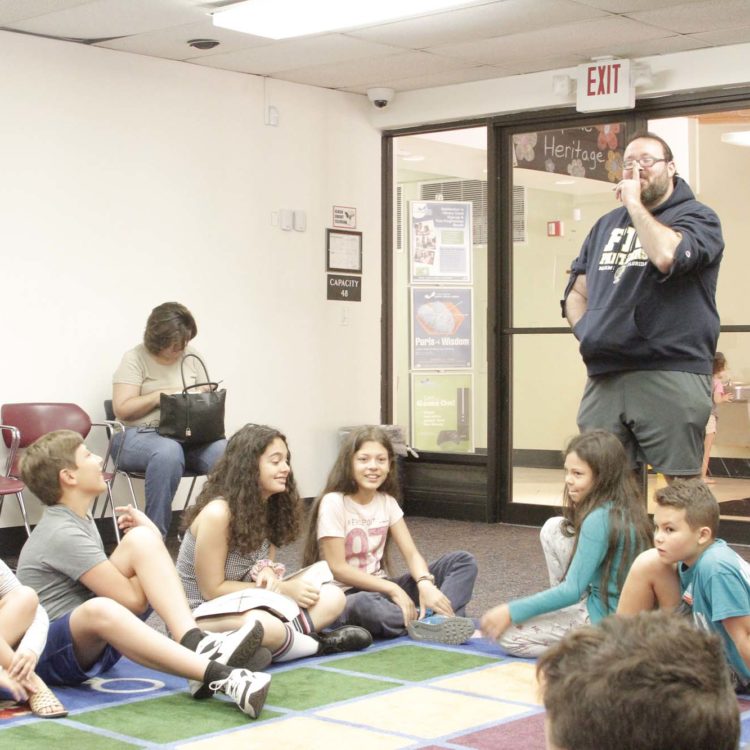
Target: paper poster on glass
x: 441, y: 324
x: 440, y: 241
x: 442, y: 412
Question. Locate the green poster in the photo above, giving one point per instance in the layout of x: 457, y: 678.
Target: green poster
x: 442, y: 411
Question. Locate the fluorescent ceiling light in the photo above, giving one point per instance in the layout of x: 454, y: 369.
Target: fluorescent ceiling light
x: 740, y: 138
x: 413, y: 157
x: 281, y: 19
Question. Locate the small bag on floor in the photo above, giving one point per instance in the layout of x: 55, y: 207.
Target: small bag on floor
x: 193, y: 417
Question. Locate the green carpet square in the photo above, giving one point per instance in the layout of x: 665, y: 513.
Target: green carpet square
x: 303, y: 688
x: 170, y: 718
x: 411, y: 663
x: 51, y: 733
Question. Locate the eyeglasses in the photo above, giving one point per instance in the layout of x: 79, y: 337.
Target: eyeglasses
x: 645, y: 161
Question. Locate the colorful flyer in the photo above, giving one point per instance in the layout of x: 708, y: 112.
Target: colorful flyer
x: 440, y: 241
x: 441, y: 324
x: 443, y: 412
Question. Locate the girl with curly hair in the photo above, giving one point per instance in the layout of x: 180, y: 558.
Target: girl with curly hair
x: 247, y: 509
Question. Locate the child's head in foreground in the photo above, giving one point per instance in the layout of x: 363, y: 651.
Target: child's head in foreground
x: 44, y: 460
x: 650, y: 682
x: 686, y: 520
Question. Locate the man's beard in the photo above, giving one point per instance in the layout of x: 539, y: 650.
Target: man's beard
x: 655, y: 191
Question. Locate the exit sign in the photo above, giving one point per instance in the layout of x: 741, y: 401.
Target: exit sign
x: 604, y: 84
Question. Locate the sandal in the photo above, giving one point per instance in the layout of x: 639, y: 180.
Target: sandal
x: 44, y: 704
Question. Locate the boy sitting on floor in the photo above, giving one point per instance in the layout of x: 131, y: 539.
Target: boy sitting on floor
x: 95, y: 603
x: 650, y: 682
x: 689, y: 564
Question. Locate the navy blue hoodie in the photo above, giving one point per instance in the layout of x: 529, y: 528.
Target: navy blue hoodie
x: 638, y: 318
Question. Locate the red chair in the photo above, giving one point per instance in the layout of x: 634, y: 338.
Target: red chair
x: 9, y: 485
x: 31, y: 421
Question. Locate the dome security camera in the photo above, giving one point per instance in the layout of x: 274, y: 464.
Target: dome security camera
x: 203, y: 43
x: 380, y: 97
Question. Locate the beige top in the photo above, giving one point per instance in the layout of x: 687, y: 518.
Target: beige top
x: 138, y: 367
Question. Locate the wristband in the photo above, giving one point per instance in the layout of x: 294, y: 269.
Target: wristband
x: 279, y: 569
x: 427, y: 577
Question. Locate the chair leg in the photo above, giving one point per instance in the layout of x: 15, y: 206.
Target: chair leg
x: 22, y: 506
x: 130, y: 487
x: 111, y: 502
x: 190, y: 493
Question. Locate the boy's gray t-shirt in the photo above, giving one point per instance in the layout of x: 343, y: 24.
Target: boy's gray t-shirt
x: 62, y: 547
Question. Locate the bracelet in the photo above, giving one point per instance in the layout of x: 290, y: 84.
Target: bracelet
x: 279, y: 569
x: 426, y: 577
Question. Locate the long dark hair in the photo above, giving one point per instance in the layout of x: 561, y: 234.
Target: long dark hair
x: 615, y: 484
x: 341, y: 479
x: 235, y: 478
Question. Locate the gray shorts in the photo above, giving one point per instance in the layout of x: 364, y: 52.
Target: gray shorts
x: 659, y: 415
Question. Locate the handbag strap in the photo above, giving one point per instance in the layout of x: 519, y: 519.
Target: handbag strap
x: 214, y: 386
x: 182, y: 371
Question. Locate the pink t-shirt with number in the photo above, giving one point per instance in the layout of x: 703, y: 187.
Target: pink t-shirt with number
x: 364, y: 528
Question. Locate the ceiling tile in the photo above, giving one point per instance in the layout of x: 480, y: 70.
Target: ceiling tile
x: 574, y: 39
x: 430, y: 80
x: 368, y: 71
x: 291, y: 54
x: 630, y: 6
x: 691, y: 18
x: 172, y: 43
x: 735, y: 35
x: 556, y: 62
x: 648, y: 47
x: 109, y: 18
x: 493, y: 19
x: 19, y: 10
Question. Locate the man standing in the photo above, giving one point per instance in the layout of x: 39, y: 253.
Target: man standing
x: 641, y: 300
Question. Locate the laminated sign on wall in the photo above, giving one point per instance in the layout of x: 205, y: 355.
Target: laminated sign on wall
x: 441, y: 241
x: 441, y: 322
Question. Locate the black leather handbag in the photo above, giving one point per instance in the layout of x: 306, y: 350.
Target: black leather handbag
x: 193, y: 417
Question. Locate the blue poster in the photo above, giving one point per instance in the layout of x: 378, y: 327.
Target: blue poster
x: 441, y: 324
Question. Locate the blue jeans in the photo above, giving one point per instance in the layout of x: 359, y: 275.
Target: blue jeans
x: 163, y: 461
x: 455, y: 573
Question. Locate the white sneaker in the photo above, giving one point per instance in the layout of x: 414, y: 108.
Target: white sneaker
x: 247, y: 689
x: 442, y: 629
x: 234, y: 648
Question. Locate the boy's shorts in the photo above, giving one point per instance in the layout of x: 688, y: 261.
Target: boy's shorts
x: 58, y: 664
x: 657, y: 414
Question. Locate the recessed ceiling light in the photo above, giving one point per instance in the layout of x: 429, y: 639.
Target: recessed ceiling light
x: 281, y: 19
x: 739, y: 138
x: 413, y: 157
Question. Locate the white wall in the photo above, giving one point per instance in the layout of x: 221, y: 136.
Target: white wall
x: 129, y: 181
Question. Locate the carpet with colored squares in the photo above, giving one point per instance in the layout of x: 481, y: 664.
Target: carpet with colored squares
x: 397, y: 694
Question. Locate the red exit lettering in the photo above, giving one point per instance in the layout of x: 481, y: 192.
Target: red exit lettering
x: 603, y: 80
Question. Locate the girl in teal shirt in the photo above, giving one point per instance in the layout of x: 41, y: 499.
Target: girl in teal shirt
x: 588, y: 551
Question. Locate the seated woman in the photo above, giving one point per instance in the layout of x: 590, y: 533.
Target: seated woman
x: 153, y: 368
x: 248, y: 508
x: 23, y: 633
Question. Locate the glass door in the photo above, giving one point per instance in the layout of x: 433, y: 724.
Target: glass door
x: 562, y: 182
